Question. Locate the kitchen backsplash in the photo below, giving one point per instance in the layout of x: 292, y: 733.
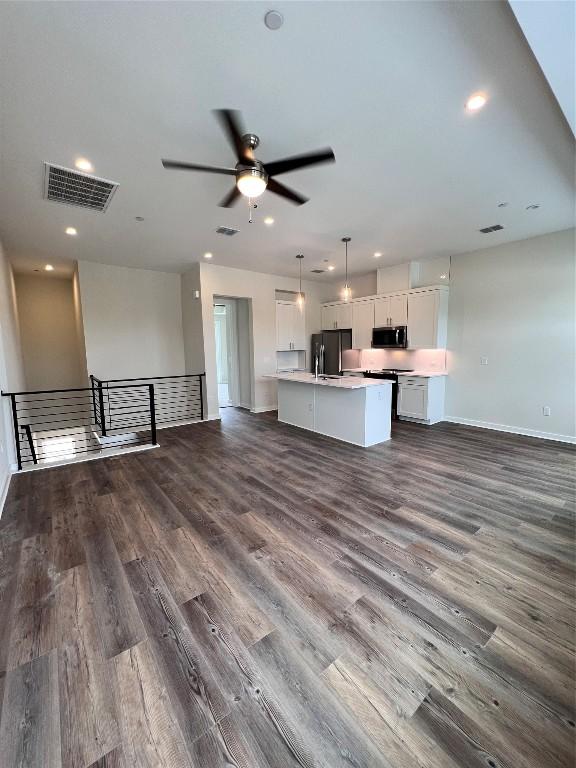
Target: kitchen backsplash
x: 415, y: 359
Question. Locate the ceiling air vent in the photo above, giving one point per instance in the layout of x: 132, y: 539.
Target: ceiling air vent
x: 227, y: 231
x: 317, y: 271
x: 493, y: 228
x: 73, y: 188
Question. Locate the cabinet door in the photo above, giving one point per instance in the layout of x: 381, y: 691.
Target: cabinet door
x: 299, y: 327
x: 329, y: 318
x: 362, y: 324
x: 381, y: 313
x: 412, y: 401
x: 343, y: 316
x: 399, y: 310
x: 284, y: 326
x: 422, y: 320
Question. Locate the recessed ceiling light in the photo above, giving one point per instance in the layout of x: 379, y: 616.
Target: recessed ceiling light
x: 269, y: 221
x: 71, y: 231
x: 476, y: 101
x: 273, y: 20
x: 331, y: 268
x: 49, y: 268
x: 532, y: 207
x: 84, y: 165
x: 377, y: 255
x: 442, y: 277
x: 139, y: 218
x: 207, y: 255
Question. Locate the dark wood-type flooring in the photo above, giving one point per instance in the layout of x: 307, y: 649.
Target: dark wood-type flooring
x: 250, y: 595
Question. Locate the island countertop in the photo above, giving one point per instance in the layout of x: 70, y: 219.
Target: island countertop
x: 341, y: 382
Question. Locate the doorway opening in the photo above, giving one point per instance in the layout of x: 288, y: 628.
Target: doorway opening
x: 234, y: 355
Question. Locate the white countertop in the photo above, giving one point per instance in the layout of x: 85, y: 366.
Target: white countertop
x: 342, y: 382
x: 424, y: 374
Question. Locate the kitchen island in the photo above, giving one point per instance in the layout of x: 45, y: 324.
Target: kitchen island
x: 355, y: 410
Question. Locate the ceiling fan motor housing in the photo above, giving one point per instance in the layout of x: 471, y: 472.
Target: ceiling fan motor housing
x: 250, y: 140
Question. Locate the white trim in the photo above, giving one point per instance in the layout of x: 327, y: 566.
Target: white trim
x: 512, y: 430
x: 4, y: 490
x: 263, y: 408
x: 111, y: 455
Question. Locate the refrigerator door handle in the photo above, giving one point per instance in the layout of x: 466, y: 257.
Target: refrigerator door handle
x: 322, y: 358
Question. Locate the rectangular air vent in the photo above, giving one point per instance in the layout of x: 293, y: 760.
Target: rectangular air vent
x: 63, y: 185
x: 317, y: 271
x: 493, y: 228
x: 227, y: 231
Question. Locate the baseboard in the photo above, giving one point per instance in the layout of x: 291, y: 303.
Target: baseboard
x: 4, y: 491
x: 264, y: 408
x: 512, y: 430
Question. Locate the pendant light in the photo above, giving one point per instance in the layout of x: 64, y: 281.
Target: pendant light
x: 346, y: 292
x: 300, y: 299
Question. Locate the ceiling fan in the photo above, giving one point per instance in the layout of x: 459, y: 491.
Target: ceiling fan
x: 253, y: 176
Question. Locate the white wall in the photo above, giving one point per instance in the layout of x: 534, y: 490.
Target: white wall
x: 11, y: 375
x: 514, y: 305
x: 132, y: 321
x: 261, y: 289
x: 52, y: 349
x: 360, y: 285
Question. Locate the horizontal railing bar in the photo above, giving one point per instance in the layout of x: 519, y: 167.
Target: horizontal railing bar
x: 156, y: 378
x: 72, y: 389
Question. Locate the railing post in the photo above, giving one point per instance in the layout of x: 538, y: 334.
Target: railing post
x: 93, y: 399
x: 201, y: 397
x: 16, y: 430
x: 28, y: 431
x: 152, y: 414
x: 102, y: 417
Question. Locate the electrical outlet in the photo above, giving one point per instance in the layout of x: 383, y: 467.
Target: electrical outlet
x: 483, y: 361
x: 546, y: 410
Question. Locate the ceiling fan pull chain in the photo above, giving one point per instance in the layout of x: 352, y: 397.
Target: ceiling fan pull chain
x: 250, y: 210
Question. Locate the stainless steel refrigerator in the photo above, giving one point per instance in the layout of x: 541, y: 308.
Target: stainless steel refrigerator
x: 327, y: 348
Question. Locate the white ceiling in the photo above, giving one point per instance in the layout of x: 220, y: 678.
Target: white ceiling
x: 384, y: 84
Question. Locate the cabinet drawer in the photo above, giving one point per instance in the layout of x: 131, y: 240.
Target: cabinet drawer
x: 413, y: 381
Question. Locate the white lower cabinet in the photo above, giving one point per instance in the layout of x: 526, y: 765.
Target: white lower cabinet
x: 421, y: 398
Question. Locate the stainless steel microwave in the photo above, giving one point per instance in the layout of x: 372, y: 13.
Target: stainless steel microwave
x: 395, y: 337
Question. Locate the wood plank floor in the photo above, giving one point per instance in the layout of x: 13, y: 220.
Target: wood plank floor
x: 253, y: 596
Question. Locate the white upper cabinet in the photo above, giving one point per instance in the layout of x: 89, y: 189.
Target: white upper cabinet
x: 336, y: 317
x: 362, y: 324
x: 427, y: 320
x: 399, y: 310
x: 329, y: 316
x: 290, y: 327
x: 390, y: 310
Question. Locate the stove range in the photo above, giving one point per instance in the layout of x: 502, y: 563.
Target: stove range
x: 390, y: 374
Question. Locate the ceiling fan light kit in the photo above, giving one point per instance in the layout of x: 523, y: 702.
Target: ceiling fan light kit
x: 252, y: 176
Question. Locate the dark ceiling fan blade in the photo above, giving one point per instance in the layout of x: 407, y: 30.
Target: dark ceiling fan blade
x: 231, y: 122
x: 289, y: 194
x: 176, y: 164
x: 277, y: 167
x: 230, y: 198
